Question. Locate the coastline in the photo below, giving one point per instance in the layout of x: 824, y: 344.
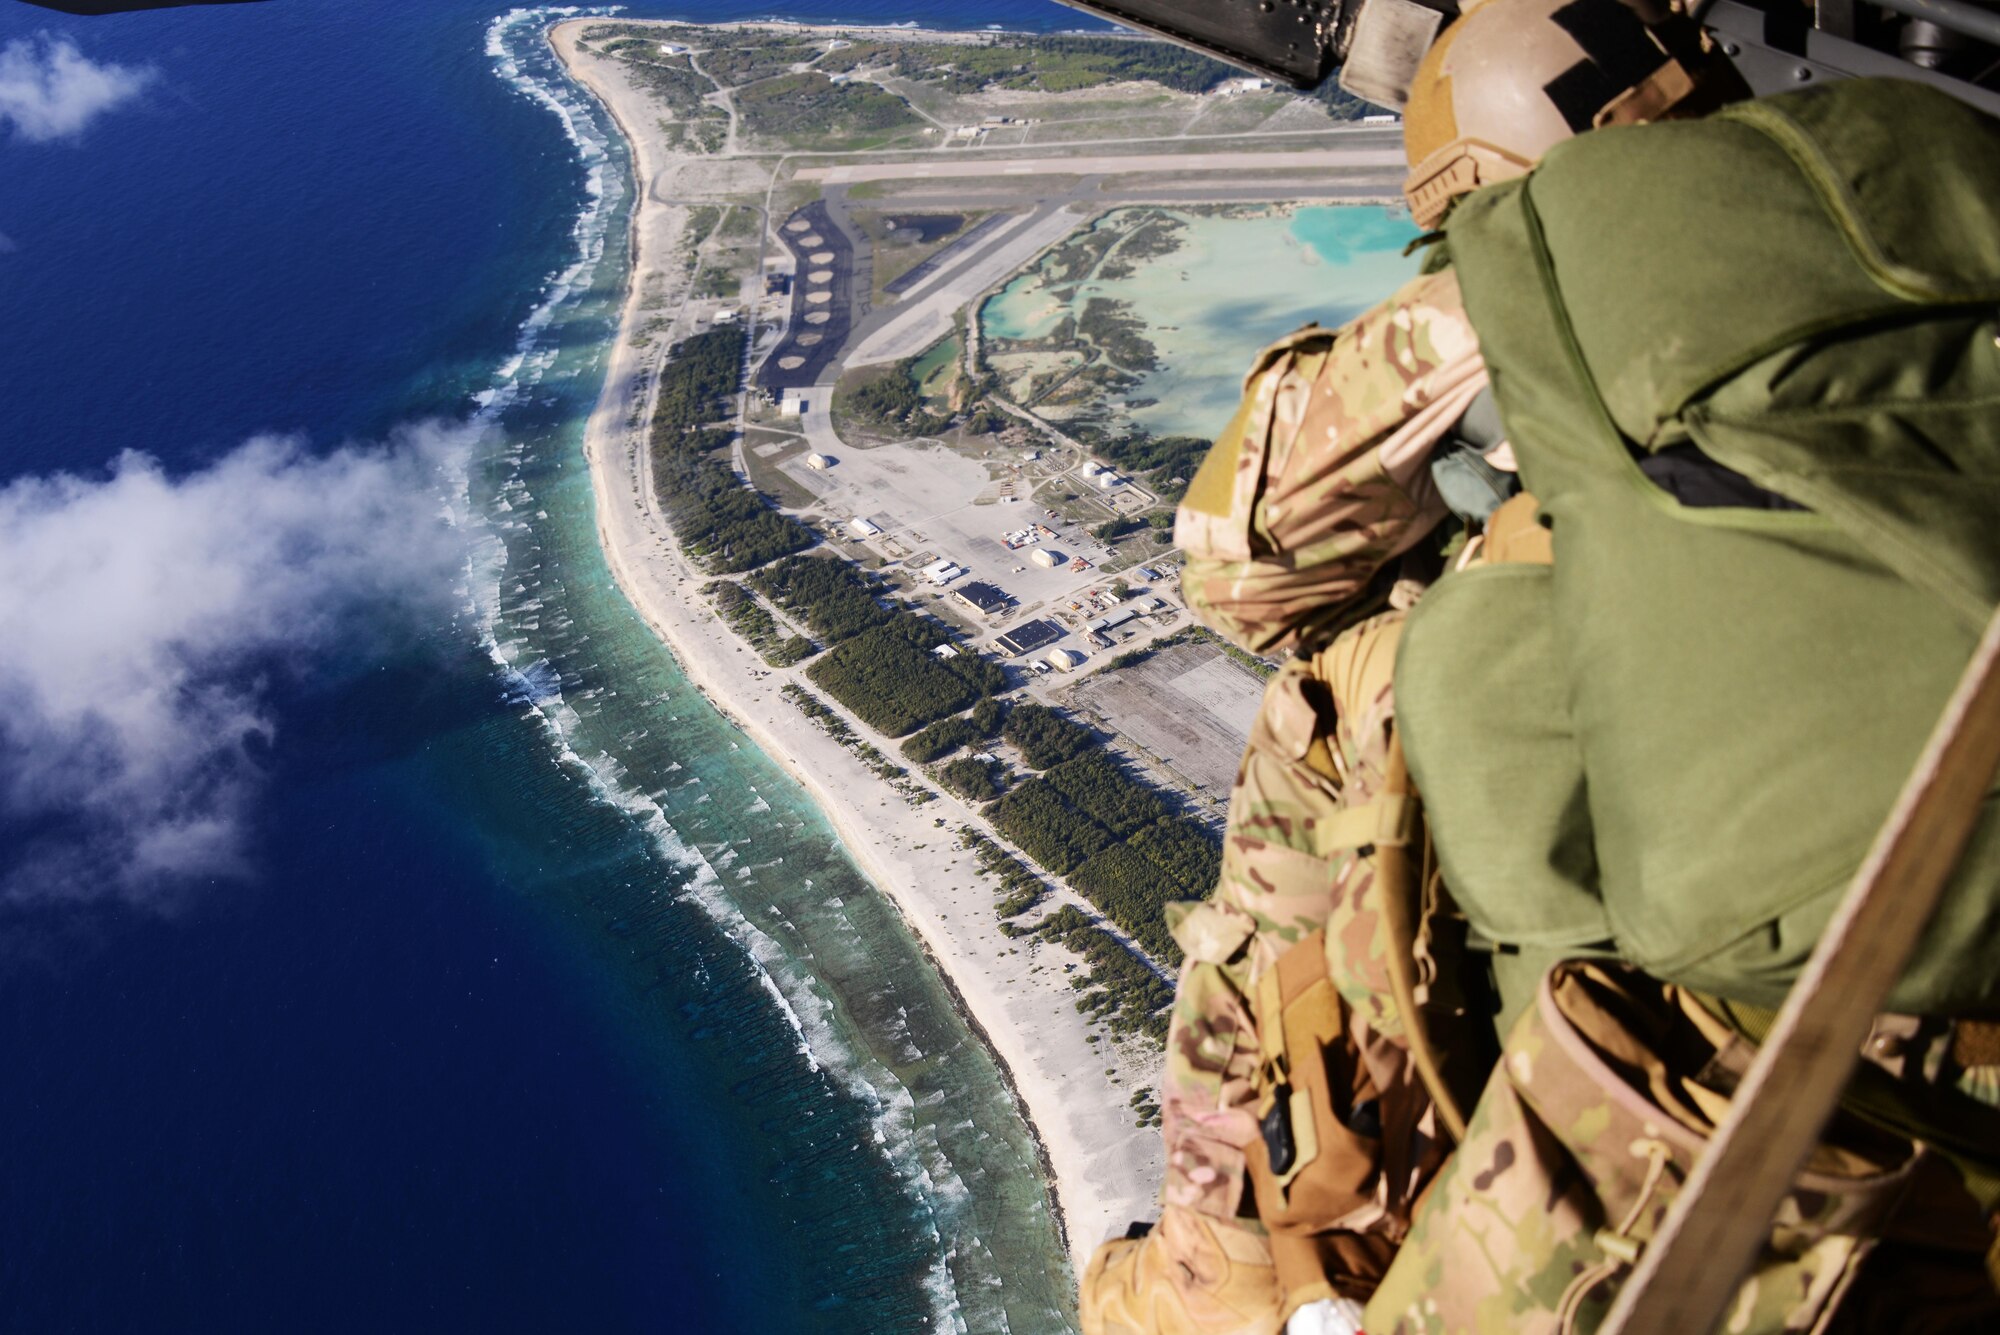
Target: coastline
x: 1102, y: 1168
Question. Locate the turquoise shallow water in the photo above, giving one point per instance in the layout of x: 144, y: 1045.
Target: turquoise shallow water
x: 1234, y: 284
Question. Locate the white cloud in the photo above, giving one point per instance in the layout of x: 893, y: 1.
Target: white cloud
x: 50, y: 90
x: 142, y: 618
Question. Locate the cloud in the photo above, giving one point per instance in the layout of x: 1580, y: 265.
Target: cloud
x: 50, y: 90
x: 143, y: 621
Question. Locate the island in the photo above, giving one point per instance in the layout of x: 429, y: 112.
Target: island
x: 926, y: 333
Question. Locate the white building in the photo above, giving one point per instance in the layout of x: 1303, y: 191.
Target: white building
x: 819, y: 463
x: 945, y: 651
x: 1068, y: 659
x: 942, y: 572
x: 793, y: 403
x: 672, y: 49
x: 862, y: 528
x: 1046, y: 557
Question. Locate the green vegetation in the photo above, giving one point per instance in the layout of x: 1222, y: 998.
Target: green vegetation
x: 1113, y: 837
x: 888, y: 398
x: 1055, y: 64
x: 973, y: 779
x: 834, y: 726
x: 881, y: 665
x: 732, y: 65
x: 1120, y: 334
x: 893, y: 682
x: 1045, y: 737
x: 811, y: 108
x: 722, y: 524
x: 834, y: 599
x: 749, y: 618
x: 1020, y: 888
x: 1132, y: 995
x: 670, y: 79
x: 940, y: 739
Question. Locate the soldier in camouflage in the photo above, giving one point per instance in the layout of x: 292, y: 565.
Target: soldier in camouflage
x: 1318, y: 484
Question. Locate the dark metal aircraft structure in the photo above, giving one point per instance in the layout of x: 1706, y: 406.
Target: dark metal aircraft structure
x: 1373, y: 46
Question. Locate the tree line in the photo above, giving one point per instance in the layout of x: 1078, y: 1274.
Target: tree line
x: 722, y: 523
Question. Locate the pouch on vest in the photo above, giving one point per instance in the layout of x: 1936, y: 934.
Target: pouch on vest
x: 1347, y: 1135
x: 1322, y: 476
x: 1609, y: 1088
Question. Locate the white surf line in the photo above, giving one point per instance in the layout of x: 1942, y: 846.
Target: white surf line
x: 928, y: 320
x: 1316, y: 159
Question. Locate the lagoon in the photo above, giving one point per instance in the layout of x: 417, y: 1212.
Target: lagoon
x: 1237, y: 281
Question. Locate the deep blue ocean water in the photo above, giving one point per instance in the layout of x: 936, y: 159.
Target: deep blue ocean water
x: 545, y: 1002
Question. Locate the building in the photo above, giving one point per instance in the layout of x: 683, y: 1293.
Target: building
x: 727, y: 315
x: 777, y: 284
x: 945, y: 651
x: 862, y: 528
x: 819, y: 463
x: 1150, y: 605
x: 793, y: 403
x: 981, y: 597
x: 1046, y: 557
x: 1028, y: 637
x: 672, y: 49
x: 1110, y: 619
x: 1066, y: 659
x: 942, y: 572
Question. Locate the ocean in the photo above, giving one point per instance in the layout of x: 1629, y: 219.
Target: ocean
x: 527, y: 994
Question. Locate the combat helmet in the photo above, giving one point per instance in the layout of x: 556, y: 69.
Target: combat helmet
x: 1509, y: 79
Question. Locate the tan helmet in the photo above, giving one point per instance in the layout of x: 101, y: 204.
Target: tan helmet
x: 1509, y: 79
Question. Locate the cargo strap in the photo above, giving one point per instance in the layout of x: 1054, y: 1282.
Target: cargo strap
x: 1390, y: 821
x: 1398, y: 889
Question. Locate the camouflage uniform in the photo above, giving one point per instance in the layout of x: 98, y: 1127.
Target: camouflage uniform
x: 1318, y: 482
x: 1322, y: 477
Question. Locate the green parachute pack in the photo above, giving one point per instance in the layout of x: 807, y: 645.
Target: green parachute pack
x: 1673, y: 746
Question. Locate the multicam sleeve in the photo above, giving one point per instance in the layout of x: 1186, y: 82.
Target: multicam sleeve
x: 1322, y: 476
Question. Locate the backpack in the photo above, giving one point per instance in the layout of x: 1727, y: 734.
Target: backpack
x: 1673, y: 745
x: 1322, y: 477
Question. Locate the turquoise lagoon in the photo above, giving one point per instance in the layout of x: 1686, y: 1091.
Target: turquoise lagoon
x: 1236, y: 282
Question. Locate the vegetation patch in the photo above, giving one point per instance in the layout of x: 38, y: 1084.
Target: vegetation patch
x: 887, y: 399
x: 1020, y: 888
x: 811, y: 108
x: 744, y: 614
x: 831, y: 723
x: 1110, y: 835
x: 1128, y: 995
x: 1044, y: 736
x: 973, y: 779
x: 892, y: 681
x: 1054, y: 64
x: 724, y: 525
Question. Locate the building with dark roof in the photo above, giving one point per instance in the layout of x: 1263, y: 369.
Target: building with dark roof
x: 981, y: 597
x: 1028, y: 637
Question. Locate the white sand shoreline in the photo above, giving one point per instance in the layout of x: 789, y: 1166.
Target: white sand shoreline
x: 1103, y: 1168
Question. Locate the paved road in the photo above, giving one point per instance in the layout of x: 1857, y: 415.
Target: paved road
x: 927, y: 317
x: 1370, y: 154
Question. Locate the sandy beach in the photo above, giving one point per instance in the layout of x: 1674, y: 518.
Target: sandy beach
x: 1076, y: 1093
